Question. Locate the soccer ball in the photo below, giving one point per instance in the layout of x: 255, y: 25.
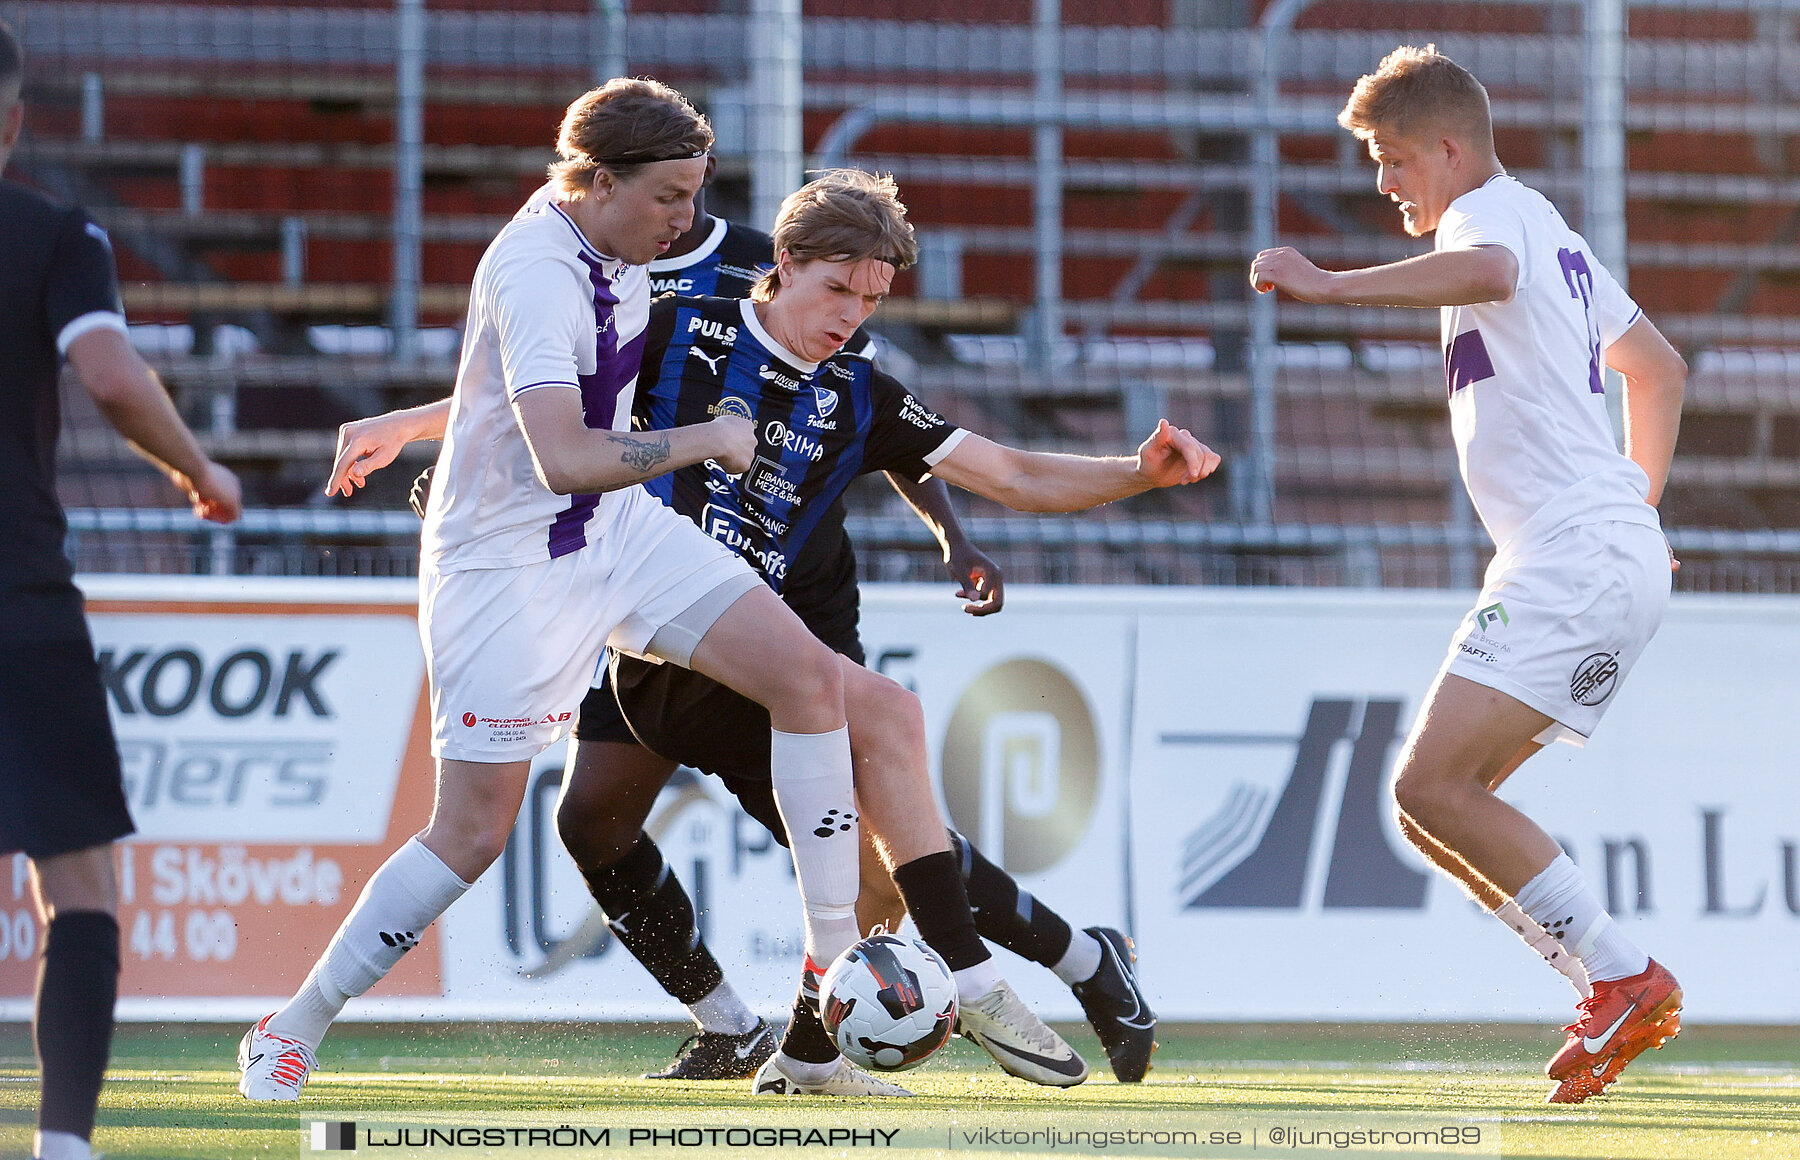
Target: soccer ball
x: 889, y: 1002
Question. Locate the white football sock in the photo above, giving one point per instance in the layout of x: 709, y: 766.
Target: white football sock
x: 722, y: 1011
x: 1539, y: 940
x: 810, y: 773
x: 974, y: 982
x: 1081, y: 960
x: 1560, y: 901
x: 404, y: 897
x: 60, y: 1146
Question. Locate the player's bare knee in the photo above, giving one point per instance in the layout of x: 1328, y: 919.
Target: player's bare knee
x: 810, y: 683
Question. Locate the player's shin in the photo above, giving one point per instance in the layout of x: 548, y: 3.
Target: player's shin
x: 933, y: 889
x: 1007, y: 915
x: 649, y: 911
x: 76, y: 991
x: 404, y: 897
x: 1560, y: 900
x: 1541, y: 941
x: 810, y: 773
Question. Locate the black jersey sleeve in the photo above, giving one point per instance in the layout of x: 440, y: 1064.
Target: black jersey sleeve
x: 81, y: 279
x: 903, y: 432
x: 657, y: 335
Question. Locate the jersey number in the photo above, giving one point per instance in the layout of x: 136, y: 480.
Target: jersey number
x: 1581, y: 285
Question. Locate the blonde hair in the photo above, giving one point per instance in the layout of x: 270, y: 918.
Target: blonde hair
x: 1414, y: 88
x: 843, y: 215
x: 623, y: 125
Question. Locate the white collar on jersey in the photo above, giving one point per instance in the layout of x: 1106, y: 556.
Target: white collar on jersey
x: 700, y: 253
x: 756, y: 329
x: 610, y: 264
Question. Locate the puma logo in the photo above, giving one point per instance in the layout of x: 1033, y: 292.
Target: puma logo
x: 712, y: 364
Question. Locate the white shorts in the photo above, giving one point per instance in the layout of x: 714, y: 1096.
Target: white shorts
x: 511, y: 651
x: 1559, y: 623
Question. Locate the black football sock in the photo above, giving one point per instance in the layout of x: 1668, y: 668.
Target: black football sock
x: 649, y: 911
x: 806, y: 1039
x: 1007, y: 915
x: 932, y: 888
x: 78, y: 982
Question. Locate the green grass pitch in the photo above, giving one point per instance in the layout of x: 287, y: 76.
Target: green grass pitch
x: 1717, y: 1092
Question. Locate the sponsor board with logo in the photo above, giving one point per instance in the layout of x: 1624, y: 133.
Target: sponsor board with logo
x: 275, y: 747
x: 1268, y: 877
x: 1205, y: 769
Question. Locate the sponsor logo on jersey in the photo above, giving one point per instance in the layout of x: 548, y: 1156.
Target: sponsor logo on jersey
x: 604, y: 325
x: 671, y: 285
x: 919, y: 415
x: 727, y: 527
x: 710, y: 328
x: 778, y: 435
x: 712, y: 363
x: 731, y: 405
x: 841, y: 371
x: 769, y: 374
x: 827, y: 400
x: 770, y: 480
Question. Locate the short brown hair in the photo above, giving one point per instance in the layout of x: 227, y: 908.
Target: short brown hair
x: 1415, y: 87
x: 623, y: 125
x: 842, y: 215
x: 12, y: 57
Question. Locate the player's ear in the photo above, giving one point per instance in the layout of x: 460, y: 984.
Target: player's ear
x: 604, y: 185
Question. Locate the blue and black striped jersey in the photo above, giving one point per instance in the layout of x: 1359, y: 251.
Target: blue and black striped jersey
x: 726, y: 264
x: 818, y: 428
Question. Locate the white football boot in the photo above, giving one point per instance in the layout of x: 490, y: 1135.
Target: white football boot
x: 274, y: 1066
x: 848, y: 1080
x: 1018, y: 1040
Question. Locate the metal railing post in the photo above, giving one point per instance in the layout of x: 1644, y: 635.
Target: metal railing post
x: 1603, y: 157
x: 773, y: 107
x: 409, y: 180
x: 1047, y: 195
x: 1256, y: 499
x: 607, y: 46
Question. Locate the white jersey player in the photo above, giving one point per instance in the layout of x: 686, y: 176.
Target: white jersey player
x: 1581, y: 576
x: 540, y: 549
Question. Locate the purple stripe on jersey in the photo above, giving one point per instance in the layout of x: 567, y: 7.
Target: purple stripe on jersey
x: 614, y: 366
x: 1466, y: 362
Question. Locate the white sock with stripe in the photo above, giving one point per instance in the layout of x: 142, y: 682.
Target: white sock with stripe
x: 810, y: 773
x: 1560, y: 901
x: 404, y: 897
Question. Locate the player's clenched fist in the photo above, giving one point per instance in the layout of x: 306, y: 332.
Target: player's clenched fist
x: 1172, y: 456
x: 1288, y: 270
x: 736, y: 437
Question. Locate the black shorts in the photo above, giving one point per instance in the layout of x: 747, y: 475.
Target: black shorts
x: 61, y: 788
x: 684, y: 717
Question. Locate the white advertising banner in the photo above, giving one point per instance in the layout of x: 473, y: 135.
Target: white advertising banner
x: 1271, y: 882
x: 1207, y: 769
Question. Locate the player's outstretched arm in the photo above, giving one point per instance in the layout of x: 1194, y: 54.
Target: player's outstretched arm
x: 1655, y: 378
x: 573, y: 458
x: 982, y: 585
x: 133, y: 400
x: 1445, y: 278
x: 1037, y: 481
x: 365, y: 446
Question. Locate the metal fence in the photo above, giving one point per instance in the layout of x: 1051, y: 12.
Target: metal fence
x: 299, y: 194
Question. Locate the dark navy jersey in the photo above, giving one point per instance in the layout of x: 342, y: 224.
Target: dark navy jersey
x: 56, y: 284
x: 726, y: 265
x: 818, y: 428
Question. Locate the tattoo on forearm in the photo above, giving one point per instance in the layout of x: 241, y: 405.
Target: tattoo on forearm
x: 642, y: 455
